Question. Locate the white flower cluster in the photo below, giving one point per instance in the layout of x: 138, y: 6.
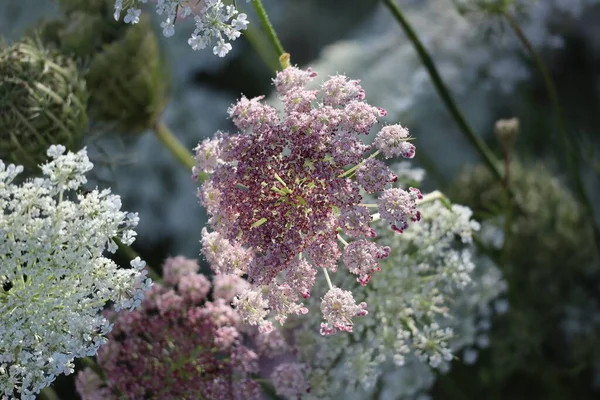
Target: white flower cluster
x: 428, y: 291
x: 53, y: 276
x: 215, y: 21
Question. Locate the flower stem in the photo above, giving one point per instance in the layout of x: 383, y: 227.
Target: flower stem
x: 269, y: 30
x: 375, y: 217
x: 48, y: 393
x: 369, y: 205
x: 483, y: 150
x: 429, y: 197
x: 347, y: 173
x: 170, y: 141
x: 130, y: 254
x: 341, y: 239
x: 261, y: 47
x: 328, y: 279
x: 570, y: 151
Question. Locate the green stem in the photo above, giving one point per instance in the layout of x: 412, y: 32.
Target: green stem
x: 267, y: 388
x: 570, y: 151
x: 174, y: 145
x: 269, y: 30
x: 48, y: 393
x: 262, y: 48
x: 342, y: 241
x: 130, y: 254
x: 483, y: 150
x: 505, y: 256
x: 347, y: 173
x: 429, y: 197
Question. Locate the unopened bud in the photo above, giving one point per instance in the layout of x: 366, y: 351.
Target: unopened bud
x: 42, y: 102
x: 506, y: 131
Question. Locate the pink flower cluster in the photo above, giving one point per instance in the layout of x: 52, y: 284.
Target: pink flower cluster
x: 283, y: 190
x: 178, y: 344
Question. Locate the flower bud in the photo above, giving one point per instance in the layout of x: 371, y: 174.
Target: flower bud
x: 85, y: 27
x: 42, y: 102
x: 506, y: 131
x: 125, y: 74
x: 127, y: 81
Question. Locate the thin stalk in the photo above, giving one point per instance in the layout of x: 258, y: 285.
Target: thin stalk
x: 327, y: 279
x: 571, y: 152
x: 349, y: 172
x: 429, y: 197
x: 261, y: 47
x: 342, y: 241
x: 174, y: 145
x: 506, y: 169
x: 444, y: 93
x: 130, y: 254
x: 48, y: 393
x: 269, y: 30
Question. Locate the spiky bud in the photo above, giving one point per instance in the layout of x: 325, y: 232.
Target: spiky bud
x: 128, y: 82
x: 42, y: 102
x: 125, y: 73
x: 506, y: 131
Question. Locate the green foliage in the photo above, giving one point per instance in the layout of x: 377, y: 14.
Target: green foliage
x: 548, y: 260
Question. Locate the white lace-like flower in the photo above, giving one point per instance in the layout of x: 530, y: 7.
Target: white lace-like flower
x: 428, y: 302
x: 54, y: 278
x: 217, y: 24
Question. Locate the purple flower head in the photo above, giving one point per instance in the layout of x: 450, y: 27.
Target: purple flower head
x: 338, y: 308
x: 207, y: 155
x: 399, y: 207
x: 392, y: 141
x: 362, y: 258
x: 227, y: 287
x: 374, y: 175
x: 355, y: 222
x: 176, y: 267
x: 176, y: 345
x: 289, y: 380
x: 283, y: 188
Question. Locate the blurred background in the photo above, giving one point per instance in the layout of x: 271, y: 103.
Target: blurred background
x: 546, y: 346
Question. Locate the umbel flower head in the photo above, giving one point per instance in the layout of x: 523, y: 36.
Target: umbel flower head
x: 125, y: 73
x: 426, y: 304
x: 42, y: 102
x: 54, y: 277
x: 182, y: 343
x: 216, y: 22
x: 282, y: 191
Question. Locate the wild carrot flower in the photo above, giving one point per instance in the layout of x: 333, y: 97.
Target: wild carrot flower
x: 182, y: 343
x: 216, y: 22
x: 428, y: 302
x: 282, y: 191
x: 54, y: 277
